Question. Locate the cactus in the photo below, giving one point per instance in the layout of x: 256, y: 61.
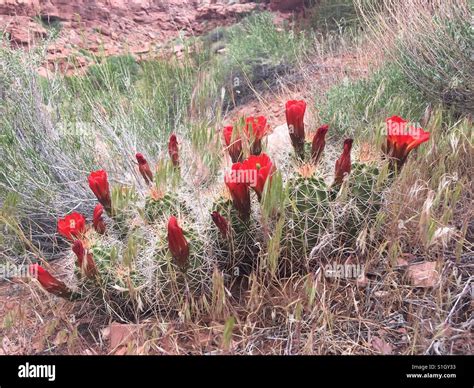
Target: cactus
x: 124, y: 200
x: 364, y: 187
x: 306, y: 213
x: 154, y: 259
x: 138, y: 274
x: 118, y: 286
x: 304, y: 157
x: 365, y: 198
x: 171, y: 285
x: 237, y: 253
x: 159, y: 205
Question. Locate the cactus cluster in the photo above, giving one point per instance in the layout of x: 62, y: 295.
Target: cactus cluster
x: 307, y: 213
x: 148, y: 255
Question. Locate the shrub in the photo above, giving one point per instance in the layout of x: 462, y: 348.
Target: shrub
x: 433, y: 45
x: 45, y: 151
x: 333, y: 15
x: 257, y: 52
x: 118, y: 71
x: 353, y: 107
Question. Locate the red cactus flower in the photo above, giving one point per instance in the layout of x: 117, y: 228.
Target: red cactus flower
x: 343, y: 164
x: 255, y: 129
x: 99, y: 184
x: 144, y: 168
x: 177, y: 243
x: 221, y: 223
x: 234, y: 145
x: 85, y: 260
x: 97, y: 220
x: 49, y: 282
x: 237, y: 182
x: 72, y: 226
x: 260, y: 168
x: 402, y: 139
x: 319, y: 142
x: 173, y: 150
x: 295, y: 120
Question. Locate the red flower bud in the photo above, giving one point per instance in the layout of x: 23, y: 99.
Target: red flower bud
x: 255, y: 129
x: 144, y: 168
x: 99, y: 185
x: 295, y: 120
x: 319, y: 142
x: 97, y: 220
x: 259, y: 168
x: 72, y: 226
x: 401, y: 139
x: 173, y: 150
x: 238, y: 182
x: 221, y: 223
x: 177, y: 243
x: 49, y: 282
x: 234, y: 146
x: 343, y: 164
x: 84, y: 261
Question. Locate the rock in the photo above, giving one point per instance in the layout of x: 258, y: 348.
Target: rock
x: 178, y: 48
x: 105, y: 31
x: 424, y: 275
x: 216, y: 11
x: 24, y: 32
x: 81, y: 61
x: 279, y: 144
x: 142, y: 49
x: 286, y: 5
x: 111, y: 27
x: 44, y: 72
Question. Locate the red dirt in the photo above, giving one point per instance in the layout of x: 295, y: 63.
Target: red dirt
x: 32, y: 322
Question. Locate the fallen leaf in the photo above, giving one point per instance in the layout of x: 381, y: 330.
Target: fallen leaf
x: 61, y: 337
x: 362, y: 281
x: 401, y: 262
x: 105, y: 332
x: 381, y: 346
x: 121, y: 351
x: 424, y: 274
x: 121, y: 334
x: 38, y: 344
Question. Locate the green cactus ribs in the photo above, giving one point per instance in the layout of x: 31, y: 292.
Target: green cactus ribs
x: 170, y: 284
x: 364, y: 199
x: 117, y: 288
x: 307, y: 214
x: 238, y: 252
x: 124, y: 200
x: 159, y: 205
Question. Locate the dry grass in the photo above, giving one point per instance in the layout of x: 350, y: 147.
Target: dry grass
x: 431, y: 42
x: 426, y: 216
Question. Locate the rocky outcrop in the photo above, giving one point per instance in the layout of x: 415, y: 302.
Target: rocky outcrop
x: 223, y: 11
x: 286, y: 5
x: 111, y: 27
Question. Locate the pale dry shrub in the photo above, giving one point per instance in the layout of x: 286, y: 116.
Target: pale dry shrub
x: 431, y: 41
